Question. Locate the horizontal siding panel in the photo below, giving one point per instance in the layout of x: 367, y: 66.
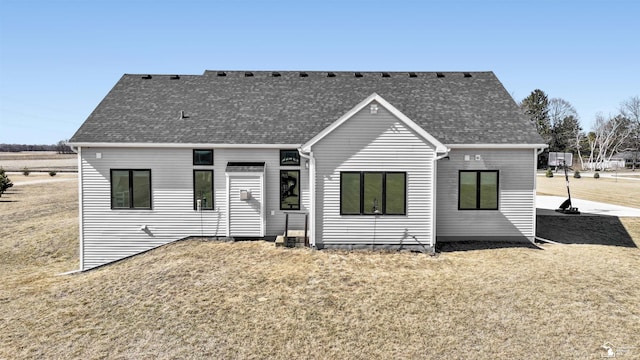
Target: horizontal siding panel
x: 515, y: 216
x: 109, y: 235
x: 369, y: 142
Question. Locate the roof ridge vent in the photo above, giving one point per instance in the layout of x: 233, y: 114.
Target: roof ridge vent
x: 275, y: 74
x: 221, y: 73
x: 174, y: 77
x: 146, y: 77
x: 248, y: 74
x: 330, y: 74
x: 466, y: 74
x: 358, y: 74
x: 385, y: 74
x: 412, y: 75
x: 439, y: 74
x: 303, y: 74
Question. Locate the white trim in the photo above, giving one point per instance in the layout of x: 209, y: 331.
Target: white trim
x: 434, y: 197
x: 439, y: 147
x: 228, y: 201
x: 497, y: 146
x: 80, y: 207
x: 263, y: 215
x: 312, y: 196
x: 186, y: 145
x: 536, y: 152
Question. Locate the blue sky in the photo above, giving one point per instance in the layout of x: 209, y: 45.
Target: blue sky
x: 59, y: 58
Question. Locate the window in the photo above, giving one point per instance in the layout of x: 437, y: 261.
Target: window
x: 478, y: 190
x: 202, y: 157
x: 373, y: 193
x: 131, y: 189
x: 289, y: 189
x: 289, y: 157
x: 203, y: 189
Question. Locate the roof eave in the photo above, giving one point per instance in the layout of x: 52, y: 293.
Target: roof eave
x: 183, y: 145
x: 498, y: 146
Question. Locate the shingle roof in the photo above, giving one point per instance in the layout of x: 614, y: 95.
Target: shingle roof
x: 290, y: 107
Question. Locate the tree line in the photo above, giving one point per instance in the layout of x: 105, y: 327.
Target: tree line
x: 557, y: 121
x: 61, y: 147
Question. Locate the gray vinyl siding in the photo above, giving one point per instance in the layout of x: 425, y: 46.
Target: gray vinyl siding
x: 110, y: 235
x: 515, y: 217
x: 379, y: 142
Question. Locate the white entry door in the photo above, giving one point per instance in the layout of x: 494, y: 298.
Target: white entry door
x: 246, y: 204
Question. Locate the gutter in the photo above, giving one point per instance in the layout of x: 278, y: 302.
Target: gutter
x: 312, y: 195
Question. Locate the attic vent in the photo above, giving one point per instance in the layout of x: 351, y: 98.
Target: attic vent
x: 358, y: 74
x: 385, y: 74
x: 147, y: 77
x: 330, y: 74
x: 182, y: 115
x: 412, y: 74
x: 175, y: 77
x: 303, y: 74
x: 439, y: 74
x: 275, y: 74
x: 467, y: 74
x: 222, y: 73
x: 248, y: 74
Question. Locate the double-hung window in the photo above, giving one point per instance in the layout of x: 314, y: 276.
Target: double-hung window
x: 478, y: 189
x: 373, y: 193
x: 131, y: 189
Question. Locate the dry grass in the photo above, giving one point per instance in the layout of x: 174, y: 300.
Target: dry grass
x: 38, y: 161
x: 197, y: 299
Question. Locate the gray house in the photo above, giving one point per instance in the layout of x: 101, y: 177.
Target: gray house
x: 376, y: 160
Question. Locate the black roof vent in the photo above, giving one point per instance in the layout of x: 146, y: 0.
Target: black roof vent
x: 439, y: 74
x: 147, y: 77
x: 358, y: 74
x: 248, y: 74
x: 467, y: 74
x: 222, y: 73
x: 275, y: 74
x: 412, y: 74
x: 303, y: 74
x: 174, y: 77
x: 330, y: 74
x: 385, y: 74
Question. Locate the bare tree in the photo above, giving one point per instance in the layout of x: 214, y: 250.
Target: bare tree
x: 606, y: 139
x: 565, y: 126
x: 630, y: 109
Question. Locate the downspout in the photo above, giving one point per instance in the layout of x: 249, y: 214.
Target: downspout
x: 434, y: 196
x: 312, y: 195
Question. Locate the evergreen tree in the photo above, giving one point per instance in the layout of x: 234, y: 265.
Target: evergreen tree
x: 5, y: 183
x: 536, y: 108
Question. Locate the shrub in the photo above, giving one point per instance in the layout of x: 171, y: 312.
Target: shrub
x: 596, y: 175
x: 576, y: 174
x: 26, y: 171
x: 5, y: 183
x: 52, y: 173
x: 549, y: 173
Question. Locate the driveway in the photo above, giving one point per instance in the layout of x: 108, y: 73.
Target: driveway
x: 586, y: 206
